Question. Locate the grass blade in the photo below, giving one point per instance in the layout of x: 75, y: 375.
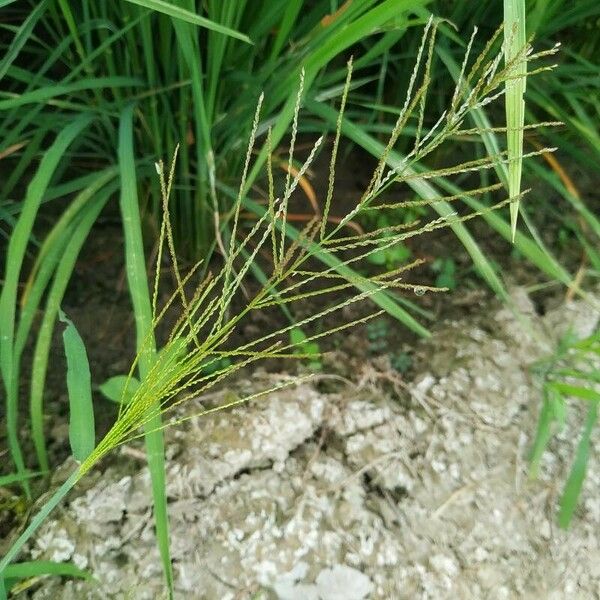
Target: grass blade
x: 37, y: 568
x: 39, y: 518
x: 140, y: 296
x: 44, y: 94
x: 82, y: 431
x: 16, y: 478
x: 568, y: 501
x: 544, y: 431
x: 189, y: 17
x: 55, y: 295
x: 21, y: 37
x: 14, y: 260
x: 331, y: 47
x: 514, y: 43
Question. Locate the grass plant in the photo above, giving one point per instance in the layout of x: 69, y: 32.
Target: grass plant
x: 561, y: 95
x: 194, y: 70
x: 571, y: 372
x: 116, y: 86
x: 203, y: 336
x: 476, y: 87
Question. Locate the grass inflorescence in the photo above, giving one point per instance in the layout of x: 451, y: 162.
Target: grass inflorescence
x: 177, y: 109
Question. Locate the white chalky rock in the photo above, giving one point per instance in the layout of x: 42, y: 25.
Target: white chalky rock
x: 343, y: 583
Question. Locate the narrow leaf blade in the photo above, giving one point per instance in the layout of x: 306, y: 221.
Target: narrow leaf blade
x: 82, y: 432
x: 570, y: 496
x: 189, y: 17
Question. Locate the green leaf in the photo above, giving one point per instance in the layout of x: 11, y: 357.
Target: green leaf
x: 446, y: 269
x: 297, y: 336
x: 514, y: 42
x: 189, y: 17
x: 377, y: 258
x: 74, y: 236
x: 16, y: 477
x: 544, y: 430
x: 35, y: 568
x: 82, y: 433
x: 576, y: 390
x: 44, y: 94
x: 120, y: 388
x: 21, y: 37
x: 299, y: 340
x: 15, y: 255
x: 137, y: 280
x: 570, y: 496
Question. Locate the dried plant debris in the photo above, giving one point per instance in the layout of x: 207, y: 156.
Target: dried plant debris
x: 352, y: 495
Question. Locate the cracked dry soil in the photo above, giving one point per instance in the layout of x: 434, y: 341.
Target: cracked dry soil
x: 414, y: 490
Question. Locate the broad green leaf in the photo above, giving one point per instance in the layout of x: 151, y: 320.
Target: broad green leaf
x: 119, y: 388
x: 82, y: 433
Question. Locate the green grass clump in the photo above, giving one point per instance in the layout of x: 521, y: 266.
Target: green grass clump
x: 194, y: 72
x: 571, y: 372
x: 561, y: 96
x: 318, y: 262
x: 479, y: 82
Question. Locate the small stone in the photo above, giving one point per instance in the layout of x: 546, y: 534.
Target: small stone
x: 343, y: 583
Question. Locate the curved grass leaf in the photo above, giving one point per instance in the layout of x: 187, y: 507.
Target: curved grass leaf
x: 543, y: 434
x: 21, y: 37
x: 332, y: 45
x: 44, y: 94
x: 14, y: 260
x: 81, y: 229
x: 182, y: 14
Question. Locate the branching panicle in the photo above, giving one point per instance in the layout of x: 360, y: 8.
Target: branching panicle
x: 200, y: 352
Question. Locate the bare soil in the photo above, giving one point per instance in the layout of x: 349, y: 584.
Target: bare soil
x: 371, y: 486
